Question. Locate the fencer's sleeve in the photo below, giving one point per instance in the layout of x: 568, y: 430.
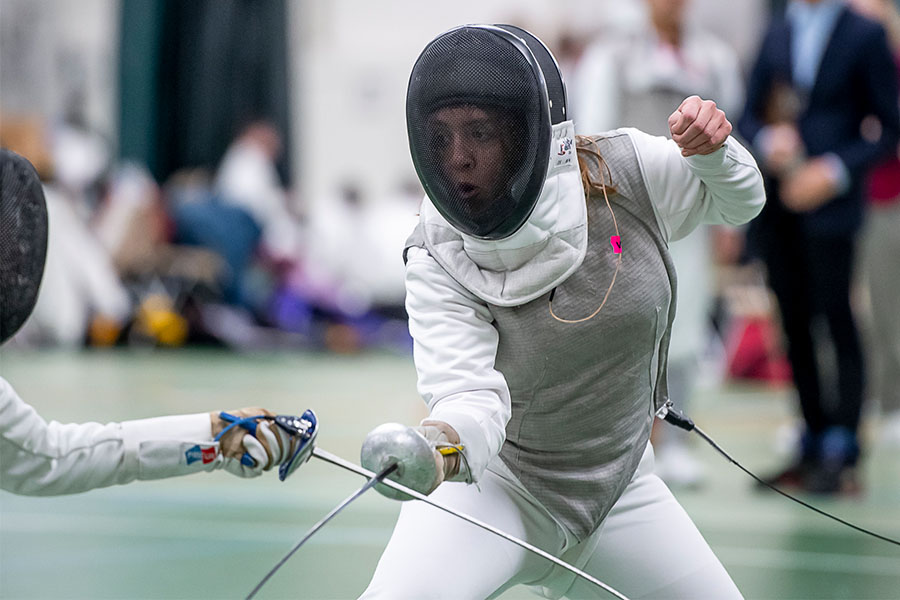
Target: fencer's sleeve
x: 454, y: 348
x: 724, y: 187
x: 46, y: 459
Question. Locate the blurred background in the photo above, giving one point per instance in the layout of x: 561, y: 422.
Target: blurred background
x: 230, y: 189
x: 282, y: 123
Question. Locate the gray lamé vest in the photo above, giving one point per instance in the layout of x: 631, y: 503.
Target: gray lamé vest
x: 584, y: 395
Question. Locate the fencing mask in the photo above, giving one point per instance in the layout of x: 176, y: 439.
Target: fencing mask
x: 481, y: 103
x: 23, y: 241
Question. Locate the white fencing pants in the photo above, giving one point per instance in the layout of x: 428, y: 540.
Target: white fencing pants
x: 647, y: 547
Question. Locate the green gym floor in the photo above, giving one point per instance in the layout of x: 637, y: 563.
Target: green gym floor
x: 215, y: 536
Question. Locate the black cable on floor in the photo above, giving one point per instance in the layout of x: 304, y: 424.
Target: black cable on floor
x: 675, y: 418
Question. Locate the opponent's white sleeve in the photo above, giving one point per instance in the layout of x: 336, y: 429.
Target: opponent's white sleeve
x: 44, y: 459
x: 724, y: 187
x: 454, y: 349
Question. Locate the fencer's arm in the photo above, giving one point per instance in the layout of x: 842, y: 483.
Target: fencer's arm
x: 44, y: 459
x: 454, y: 347
x: 724, y: 187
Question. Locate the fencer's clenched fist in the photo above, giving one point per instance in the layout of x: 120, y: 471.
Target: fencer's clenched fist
x: 247, y: 452
x: 441, y: 435
x: 698, y: 126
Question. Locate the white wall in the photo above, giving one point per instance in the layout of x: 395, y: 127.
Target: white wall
x: 356, y: 57
x: 52, y: 49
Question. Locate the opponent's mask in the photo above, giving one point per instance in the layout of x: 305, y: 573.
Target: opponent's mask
x: 23, y: 241
x: 480, y: 107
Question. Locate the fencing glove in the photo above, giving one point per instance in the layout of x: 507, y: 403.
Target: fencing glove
x: 246, y: 454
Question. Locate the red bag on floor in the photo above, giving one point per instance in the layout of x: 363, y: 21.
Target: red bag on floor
x: 753, y: 351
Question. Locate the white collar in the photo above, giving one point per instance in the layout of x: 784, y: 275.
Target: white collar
x: 541, y: 254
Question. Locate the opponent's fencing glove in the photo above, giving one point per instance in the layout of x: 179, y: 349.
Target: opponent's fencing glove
x: 425, y: 455
x: 253, y: 440
x: 245, y: 454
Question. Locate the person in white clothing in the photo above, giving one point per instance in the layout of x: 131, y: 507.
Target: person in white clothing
x: 623, y: 80
x: 247, y: 179
x: 634, y: 79
x: 40, y: 458
x: 540, y: 294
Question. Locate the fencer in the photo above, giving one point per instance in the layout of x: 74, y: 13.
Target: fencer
x: 40, y: 458
x: 540, y: 297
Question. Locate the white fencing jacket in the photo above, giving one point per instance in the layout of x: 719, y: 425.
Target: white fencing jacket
x: 45, y: 459
x: 455, y: 344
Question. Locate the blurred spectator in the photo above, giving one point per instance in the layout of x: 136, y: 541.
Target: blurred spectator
x: 881, y: 256
x: 821, y: 71
x: 353, y: 272
x: 204, y: 219
x: 135, y: 228
x: 131, y: 222
x: 248, y: 178
x: 80, y: 281
x: 359, y: 245
x: 242, y: 213
x: 635, y: 80
x: 632, y: 79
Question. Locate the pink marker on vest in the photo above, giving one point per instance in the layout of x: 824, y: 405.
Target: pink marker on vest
x: 616, y: 244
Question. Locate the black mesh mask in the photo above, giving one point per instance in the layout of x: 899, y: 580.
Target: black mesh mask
x: 23, y: 241
x: 480, y: 107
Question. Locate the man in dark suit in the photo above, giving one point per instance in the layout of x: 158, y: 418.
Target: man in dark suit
x: 821, y: 109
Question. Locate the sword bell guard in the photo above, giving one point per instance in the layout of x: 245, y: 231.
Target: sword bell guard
x: 413, y: 454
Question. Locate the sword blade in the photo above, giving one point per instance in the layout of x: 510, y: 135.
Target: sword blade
x: 374, y: 479
x: 346, y: 464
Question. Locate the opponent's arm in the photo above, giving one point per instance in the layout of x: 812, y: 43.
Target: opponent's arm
x: 41, y: 458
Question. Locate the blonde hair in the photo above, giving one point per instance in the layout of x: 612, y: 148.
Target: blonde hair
x: 590, y: 161
x: 588, y: 151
